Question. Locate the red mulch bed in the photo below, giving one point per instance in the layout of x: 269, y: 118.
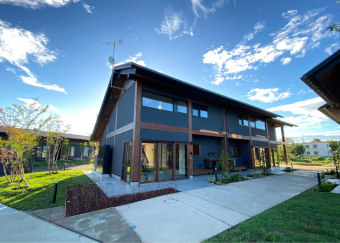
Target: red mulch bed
x: 89, y: 197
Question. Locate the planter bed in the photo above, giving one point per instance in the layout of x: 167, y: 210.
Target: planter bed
x: 89, y: 197
x: 310, y: 164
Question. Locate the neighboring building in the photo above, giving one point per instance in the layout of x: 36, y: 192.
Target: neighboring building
x: 324, y: 79
x: 315, y: 149
x: 41, y: 150
x: 161, y: 128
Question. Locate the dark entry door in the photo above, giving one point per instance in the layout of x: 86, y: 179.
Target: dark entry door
x: 126, y: 162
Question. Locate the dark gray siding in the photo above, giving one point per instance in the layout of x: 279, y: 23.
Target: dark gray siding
x: 208, y: 144
x: 233, y: 125
x: 240, y: 161
x: 120, y: 138
x: 152, y: 115
x: 126, y: 107
x: 260, y: 144
x: 112, y: 121
x: 273, y: 146
x: 153, y: 135
x: 214, y: 122
x: 271, y: 131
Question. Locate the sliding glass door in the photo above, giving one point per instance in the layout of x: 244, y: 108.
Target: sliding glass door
x: 163, y: 161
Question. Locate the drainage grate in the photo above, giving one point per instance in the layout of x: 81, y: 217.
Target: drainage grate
x: 170, y: 201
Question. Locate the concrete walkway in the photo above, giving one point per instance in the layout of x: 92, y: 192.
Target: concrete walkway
x: 196, y: 215
x: 17, y: 226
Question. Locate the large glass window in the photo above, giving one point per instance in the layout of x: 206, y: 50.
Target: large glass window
x: 166, y: 163
x: 44, y: 152
x: 252, y: 122
x: 86, y: 151
x: 182, y: 107
x: 72, y: 149
x: 260, y: 124
x: 243, y: 121
x: 148, y: 162
x: 157, y: 101
x: 199, y: 110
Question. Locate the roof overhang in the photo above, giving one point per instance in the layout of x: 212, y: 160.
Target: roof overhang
x: 123, y: 72
x: 329, y: 111
x: 279, y: 123
x: 324, y: 79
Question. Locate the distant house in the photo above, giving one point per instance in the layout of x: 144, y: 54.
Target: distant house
x: 324, y: 79
x: 40, y: 153
x: 161, y: 128
x: 315, y: 149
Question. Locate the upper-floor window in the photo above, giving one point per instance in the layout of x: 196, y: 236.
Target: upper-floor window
x: 252, y: 122
x: 260, y: 124
x: 182, y: 107
x: 242, y: 121
x: 199, y: 110
x: 308, y: 153
x: 316, y: 153
x: 307, y: 146
x: 157, y: 101
x: 315, y: 146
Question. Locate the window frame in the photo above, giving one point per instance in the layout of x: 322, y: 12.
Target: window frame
x: 316, y: 152
x: 199, y: 110
x: 74, y: 151
x: 242, y: 118
x: 308, y: 153
x: 259, y: 127
x: 199, y: 149
x: 176, y: 106
x: 307, y: 146
x: 237, y: 149
x: 315, y: 146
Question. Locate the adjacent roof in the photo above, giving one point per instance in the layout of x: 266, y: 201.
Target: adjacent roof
x: 147, y: 73
x: 324, y: 79
x: 282, y: 123
x: 66, y: 135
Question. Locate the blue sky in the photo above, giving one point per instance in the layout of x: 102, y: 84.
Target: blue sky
x: 254, y: 51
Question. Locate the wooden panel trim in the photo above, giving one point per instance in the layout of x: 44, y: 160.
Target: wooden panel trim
x: 125, y: 128
x: 136, y: 133
x: 284, y: 145
x: 260, y: 139
x: 160, y: 127
x: 114, y: 140
x: 224, y: 140
x: 208, y: 133
x: 237, y: 136
x: 190, y: 146
x: 269, y: 152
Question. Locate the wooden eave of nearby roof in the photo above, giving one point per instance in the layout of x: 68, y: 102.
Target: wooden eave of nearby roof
x: 329, y: 111
x: 130, y: 70
x: 324, y: 79
x: 279, y: 123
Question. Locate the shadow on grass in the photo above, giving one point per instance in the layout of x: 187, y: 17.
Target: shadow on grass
x: 40, y: 195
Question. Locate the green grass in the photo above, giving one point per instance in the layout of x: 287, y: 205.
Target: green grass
x: 308, y: 217
x: 42, y: 187
x: 68, y: 162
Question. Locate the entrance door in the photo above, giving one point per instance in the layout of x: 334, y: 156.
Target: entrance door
x: 126, y: 162
x: 181, y: 163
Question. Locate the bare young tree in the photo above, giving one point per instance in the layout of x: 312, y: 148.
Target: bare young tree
x: 22, y: 125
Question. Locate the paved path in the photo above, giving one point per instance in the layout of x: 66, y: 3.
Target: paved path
x: 68, y: 167
x: 21, y: 227
x: 196, y: 215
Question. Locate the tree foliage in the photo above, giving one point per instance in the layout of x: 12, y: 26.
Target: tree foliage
x: 334, y: 27
x: 224, y: 164
x: 66, y: 149
x: 334, y: 145
x: 22, y: 125
x: 315, y: 140
x: 298, y: 149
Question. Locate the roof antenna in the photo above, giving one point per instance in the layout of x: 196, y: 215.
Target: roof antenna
x: 112, y: 58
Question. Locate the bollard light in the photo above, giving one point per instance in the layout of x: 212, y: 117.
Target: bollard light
x: 319, y: 180
x: 215, y: 174
x: 64, y: 166
x: 55, y: 192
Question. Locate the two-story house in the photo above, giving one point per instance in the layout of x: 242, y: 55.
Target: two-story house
x: 315, y: 149
x: 161, y: 128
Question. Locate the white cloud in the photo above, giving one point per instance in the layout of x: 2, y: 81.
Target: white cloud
x: 35, y: 4
x: 171, y: 23
x: 132, y: 59
x: 332, y: 48
x: 286, y: 60
x: 88, y: 8
x: 17, y: 46
x: 267, y: 95
x: 37, y: 105
x: 306, y: 113
x: 9, y: 69
x: 301, y: 33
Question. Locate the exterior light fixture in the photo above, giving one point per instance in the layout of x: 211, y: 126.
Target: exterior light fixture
x: 160, y: 106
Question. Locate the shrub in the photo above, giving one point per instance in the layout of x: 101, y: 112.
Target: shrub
x: 235, y: 177
x: 255, y: 175
x: 288, y: 169
x: 320, y: 158
x: 326, y: 186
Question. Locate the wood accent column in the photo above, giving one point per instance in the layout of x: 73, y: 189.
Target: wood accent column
x: 136, y: 133
x: 284, y: 146
x: 269, y: 154
x: 114, y: 139
x: 251, y: 155
x: 277, y: 154
x: 224, y: 139
x: 190, y: 147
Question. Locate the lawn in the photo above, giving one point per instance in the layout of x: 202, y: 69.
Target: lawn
x: 308, y: 217
x: 42, y: 187
x: 68, y: 162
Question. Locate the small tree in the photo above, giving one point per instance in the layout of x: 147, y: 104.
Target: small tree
x: 298, y: 149
x: 22, y: 125
x: 82, y: 147
x: 6, y: 155
x: 66, y: 148
x: 334, y: 145
x: 315, y: 140
x: 224, y: 165
x: 54, y: 137
x: 94, y: 146
x: 336, y: 160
